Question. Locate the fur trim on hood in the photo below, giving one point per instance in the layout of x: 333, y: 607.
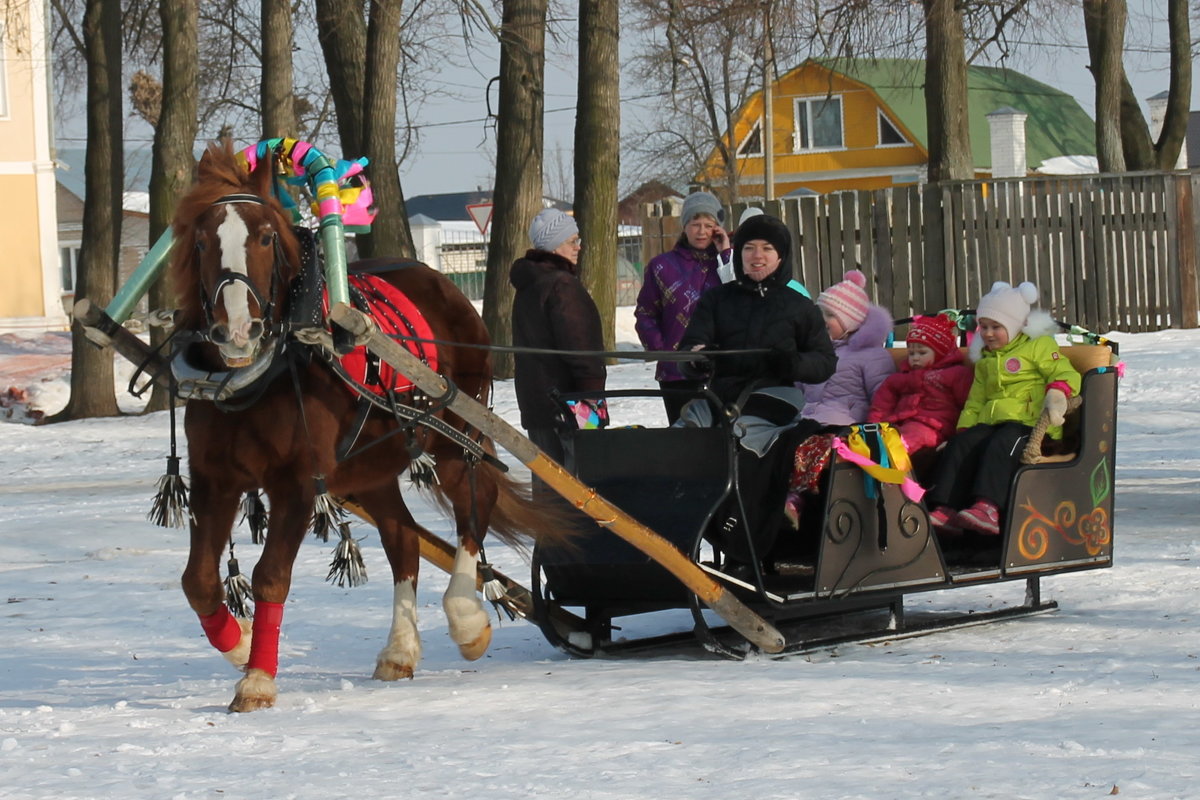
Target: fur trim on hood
x: 1040, y: 323
x: 873, y: 332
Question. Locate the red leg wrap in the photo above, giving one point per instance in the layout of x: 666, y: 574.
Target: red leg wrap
x: 222, y: 629
x: 264, y: 647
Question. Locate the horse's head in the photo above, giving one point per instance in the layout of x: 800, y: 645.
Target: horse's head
x: 235, y: 254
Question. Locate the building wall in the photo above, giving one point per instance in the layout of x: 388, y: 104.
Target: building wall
x: 27, y: 227
x: 859, y: 161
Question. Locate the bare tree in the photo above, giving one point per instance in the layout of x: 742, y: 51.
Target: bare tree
x: 597, y: 155
x: 1120, y: 125
x: 92, y: 392
x: 1105, y: 24
x: 519, y: 135
x: 700, y: 61
x: 172, y: 161
x: 946, y: 92
x: 276, y: 86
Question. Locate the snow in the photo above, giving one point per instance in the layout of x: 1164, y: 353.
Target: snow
x: 1069, y: 165
x: 108, y: 687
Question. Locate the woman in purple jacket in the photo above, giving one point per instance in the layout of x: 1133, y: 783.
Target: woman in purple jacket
x: 673, y: 284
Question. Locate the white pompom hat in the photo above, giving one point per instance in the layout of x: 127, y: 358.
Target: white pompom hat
x: 1007, y: 305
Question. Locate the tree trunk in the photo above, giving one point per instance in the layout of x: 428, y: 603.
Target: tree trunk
x: 946, y: 93
x: 343, y: 36
x: 276, y: 88
x: 390, y: 235
x: 517, y: 195
x: 1104, y: 24
x: 173, y: 164
x: 1136, y: 144
x: 597, y: 155
x: 1174, y: 129
x: 92, y: 393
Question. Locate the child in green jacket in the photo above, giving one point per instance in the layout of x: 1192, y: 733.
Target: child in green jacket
x: 1018, y: 372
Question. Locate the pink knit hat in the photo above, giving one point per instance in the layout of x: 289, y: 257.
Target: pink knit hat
x: 936, y: 332
x: 847, y: 301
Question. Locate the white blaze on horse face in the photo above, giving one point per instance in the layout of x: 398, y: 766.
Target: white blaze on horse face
x: 232, y: 234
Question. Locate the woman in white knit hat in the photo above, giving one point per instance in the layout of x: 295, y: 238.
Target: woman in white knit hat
x: 552, y: 310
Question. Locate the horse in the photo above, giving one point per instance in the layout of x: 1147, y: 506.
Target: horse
x: 235, y: 255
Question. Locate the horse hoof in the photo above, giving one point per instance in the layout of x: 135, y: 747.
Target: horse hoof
x: 255, y: 691
x: 475, y: 648
x: 391, y: 671
x: 239, y: 656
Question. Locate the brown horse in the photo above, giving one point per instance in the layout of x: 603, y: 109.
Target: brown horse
x: 235, y: 255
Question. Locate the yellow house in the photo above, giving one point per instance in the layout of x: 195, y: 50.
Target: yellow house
x: 31, y: 298
x: 860, y: 124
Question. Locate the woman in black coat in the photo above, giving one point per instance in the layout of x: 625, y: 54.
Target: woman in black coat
x: 552, y: 310
x: 758, y: 310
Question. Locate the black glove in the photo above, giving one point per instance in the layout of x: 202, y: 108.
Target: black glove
x: 697, y: 369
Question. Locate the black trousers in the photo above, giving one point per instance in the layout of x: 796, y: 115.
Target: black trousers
x: 548, y: 442
x: 978, y: 463
x: 674, y: 403
x: 762, y: 483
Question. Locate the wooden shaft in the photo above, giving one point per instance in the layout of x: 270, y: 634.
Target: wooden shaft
x: 103, y: 331
x: 750, y: 625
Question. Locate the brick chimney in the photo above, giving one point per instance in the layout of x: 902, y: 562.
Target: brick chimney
x: 1008, y: 143
x: 1158, y: 114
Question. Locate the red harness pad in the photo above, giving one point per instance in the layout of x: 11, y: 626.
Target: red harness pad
x: 395, y: 315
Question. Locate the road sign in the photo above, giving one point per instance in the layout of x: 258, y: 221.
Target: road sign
x: 481, y: 213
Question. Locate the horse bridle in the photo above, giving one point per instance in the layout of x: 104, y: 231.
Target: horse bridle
x: 228, y: 277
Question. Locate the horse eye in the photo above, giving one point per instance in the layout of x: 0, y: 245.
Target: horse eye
x: 266, y: 239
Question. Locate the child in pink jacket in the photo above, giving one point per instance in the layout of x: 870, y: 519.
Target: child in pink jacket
x: 923, y: 400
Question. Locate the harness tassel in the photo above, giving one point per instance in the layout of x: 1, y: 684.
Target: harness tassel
x: 238, y: 592
x: 327, y: 513
x: 170, y: 507
x: 494, y: 591
x: 421, y: 464
x: 254, y: 514
x: 347, y: 565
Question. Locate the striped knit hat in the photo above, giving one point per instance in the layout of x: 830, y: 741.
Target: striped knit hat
x: 550, y: 228
x: 847, y: 300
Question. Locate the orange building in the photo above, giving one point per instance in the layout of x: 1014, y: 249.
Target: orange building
x: 860, y: 124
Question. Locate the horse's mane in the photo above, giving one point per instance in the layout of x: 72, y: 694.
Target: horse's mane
x: 220, y: 173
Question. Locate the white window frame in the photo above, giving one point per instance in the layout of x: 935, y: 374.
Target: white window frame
x: 71, y: 250
x: 757, y: 126
x: 808, y: 116
x: 881, y: 119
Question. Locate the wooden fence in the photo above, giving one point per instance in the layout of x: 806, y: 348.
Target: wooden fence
x: 1109, y: 252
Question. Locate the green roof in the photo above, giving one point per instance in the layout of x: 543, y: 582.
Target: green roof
x: 1056, y: 125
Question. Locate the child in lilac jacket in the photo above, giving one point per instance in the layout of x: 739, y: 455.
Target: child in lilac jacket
x: 859, y: 330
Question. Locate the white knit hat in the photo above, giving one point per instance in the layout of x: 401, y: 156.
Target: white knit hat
x: 550, y: 228
x: 1008, y: 306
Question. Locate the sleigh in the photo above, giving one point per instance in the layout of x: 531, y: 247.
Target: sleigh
x: 859, y: 552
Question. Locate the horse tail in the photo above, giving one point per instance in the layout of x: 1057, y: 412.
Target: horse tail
x: 519, y: 516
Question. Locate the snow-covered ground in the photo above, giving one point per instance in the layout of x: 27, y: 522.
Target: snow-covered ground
x: 108, y: 687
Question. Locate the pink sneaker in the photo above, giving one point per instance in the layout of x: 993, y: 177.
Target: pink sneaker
x: 793, y: 507
x: 940, y: 518
x: 983, y: 517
